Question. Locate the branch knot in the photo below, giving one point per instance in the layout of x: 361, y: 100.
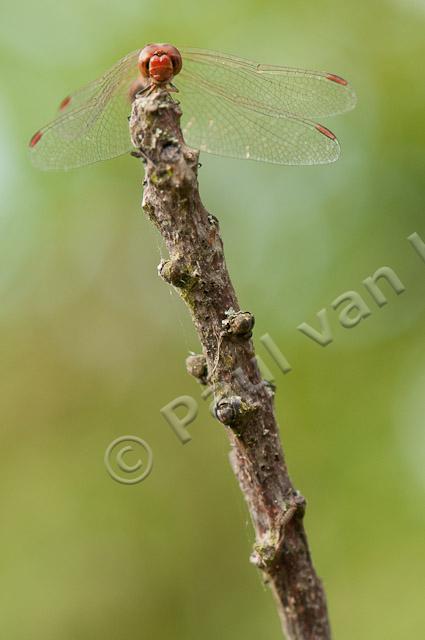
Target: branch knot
x: 268, y: 552
x: 176, y: 272
x: 196, y: 366
x: 227, y: 410
x: 239, y: 324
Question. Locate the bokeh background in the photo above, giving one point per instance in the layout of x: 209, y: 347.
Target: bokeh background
x: 93, y: 342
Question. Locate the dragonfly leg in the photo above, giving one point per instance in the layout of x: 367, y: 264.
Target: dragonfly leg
x: 140, y: 154
x: 171, y: 88
x: 146, y: 91
x: 139, y: 86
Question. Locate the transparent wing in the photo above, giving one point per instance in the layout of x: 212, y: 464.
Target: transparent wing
x: 93, y: 122
x: 231, y: 107
x: 220, y: 124
x: 307, y: 94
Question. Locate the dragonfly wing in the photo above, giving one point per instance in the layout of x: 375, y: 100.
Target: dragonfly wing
x: 220, y: 125
x: 93, y: 122
x: 307, y: 94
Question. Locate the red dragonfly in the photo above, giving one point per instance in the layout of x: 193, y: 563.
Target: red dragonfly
x: 231, y: 107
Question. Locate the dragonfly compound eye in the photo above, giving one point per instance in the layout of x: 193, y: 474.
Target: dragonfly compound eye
x: 176, y: 58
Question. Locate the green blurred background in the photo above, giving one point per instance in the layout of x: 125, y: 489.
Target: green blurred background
x: 93, y: 342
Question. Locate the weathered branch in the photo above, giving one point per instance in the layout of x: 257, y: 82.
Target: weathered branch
x: 244, y: 403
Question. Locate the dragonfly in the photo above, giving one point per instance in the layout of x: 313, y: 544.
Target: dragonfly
x: 231, y: 107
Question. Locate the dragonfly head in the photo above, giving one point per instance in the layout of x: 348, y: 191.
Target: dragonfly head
x: 160, y: 62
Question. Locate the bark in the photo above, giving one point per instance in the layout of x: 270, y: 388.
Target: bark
x: 243, y: 401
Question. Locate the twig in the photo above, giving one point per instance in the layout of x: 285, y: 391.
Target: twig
x: 243, y: 402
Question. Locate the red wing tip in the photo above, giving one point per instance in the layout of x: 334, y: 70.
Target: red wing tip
x: 36, y: 138
x: 325, y: 131
x: 65, y: 102
x: 337, y: 79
